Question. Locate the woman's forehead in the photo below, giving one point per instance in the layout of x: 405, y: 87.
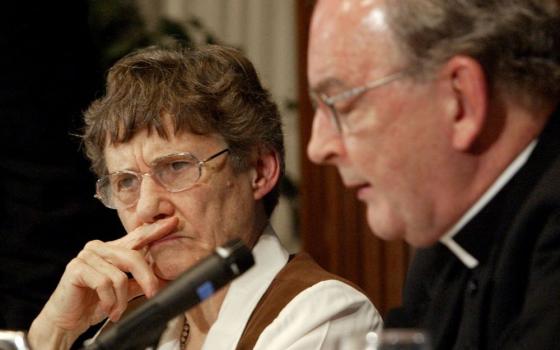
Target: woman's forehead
x: 144, y: 147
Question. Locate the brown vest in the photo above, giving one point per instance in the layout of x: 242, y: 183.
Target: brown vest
x: 300, y: 273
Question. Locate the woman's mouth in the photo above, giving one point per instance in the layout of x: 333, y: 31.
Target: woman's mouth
x: 164, y: 239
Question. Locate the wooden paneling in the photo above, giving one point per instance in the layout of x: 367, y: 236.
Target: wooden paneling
x: 333, y: 227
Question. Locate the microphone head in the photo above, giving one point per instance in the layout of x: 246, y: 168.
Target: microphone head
x: 238, y: 257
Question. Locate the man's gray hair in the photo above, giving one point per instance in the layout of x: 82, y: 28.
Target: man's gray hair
x: 517, y: 42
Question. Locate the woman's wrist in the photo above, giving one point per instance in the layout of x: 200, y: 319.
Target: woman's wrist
x: 45, y: 335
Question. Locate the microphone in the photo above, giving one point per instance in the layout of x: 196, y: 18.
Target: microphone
x: 13, y: 340
x: 143, y: 326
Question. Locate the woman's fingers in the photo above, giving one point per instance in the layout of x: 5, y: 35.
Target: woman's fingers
x: 82, y: 275
x: 96, y: 281
x: 125, y: 260
x: 135, y: 290
x: 114, y: 259
x: 118, y: 279
x: 143, y: 235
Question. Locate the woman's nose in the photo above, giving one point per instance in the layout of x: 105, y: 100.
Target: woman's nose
x: 153, y: 201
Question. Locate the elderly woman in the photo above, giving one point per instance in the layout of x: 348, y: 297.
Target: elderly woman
x: 189, y: 150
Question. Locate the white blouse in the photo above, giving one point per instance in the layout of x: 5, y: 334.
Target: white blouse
x: 314, y: 319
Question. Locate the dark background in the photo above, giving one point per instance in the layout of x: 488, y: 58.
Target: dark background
x: 50, y: 72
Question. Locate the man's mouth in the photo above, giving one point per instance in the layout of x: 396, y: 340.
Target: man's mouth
x: 363, y: 190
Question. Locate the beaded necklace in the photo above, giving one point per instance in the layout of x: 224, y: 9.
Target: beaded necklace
x: 184, y: 335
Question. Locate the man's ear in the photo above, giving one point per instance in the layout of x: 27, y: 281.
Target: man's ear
x: 469, y: 90
x: 266, y: 172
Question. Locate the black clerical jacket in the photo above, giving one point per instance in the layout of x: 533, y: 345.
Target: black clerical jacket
x: 511, y: 300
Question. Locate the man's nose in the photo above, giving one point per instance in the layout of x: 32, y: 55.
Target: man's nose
x: 326, y: 144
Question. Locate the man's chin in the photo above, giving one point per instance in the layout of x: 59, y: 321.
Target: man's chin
x: 420, y: 240
x: 383, y: 228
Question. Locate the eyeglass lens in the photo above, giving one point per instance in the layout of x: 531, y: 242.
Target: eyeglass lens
x: 175, y: 173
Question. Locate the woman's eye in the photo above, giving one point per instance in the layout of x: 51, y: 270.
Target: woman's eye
x: 126, y: 183
x: 179, y: 165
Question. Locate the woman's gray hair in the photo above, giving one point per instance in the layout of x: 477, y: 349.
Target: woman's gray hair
x: 211, y: 89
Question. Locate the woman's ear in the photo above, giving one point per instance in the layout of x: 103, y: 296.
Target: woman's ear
x: 266, y: 172
x: 469, y: 89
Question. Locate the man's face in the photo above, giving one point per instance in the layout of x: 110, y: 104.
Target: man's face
x: 389, y: 147
x: 218, y: 208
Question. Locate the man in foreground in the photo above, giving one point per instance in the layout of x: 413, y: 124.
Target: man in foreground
x: 443, y: 116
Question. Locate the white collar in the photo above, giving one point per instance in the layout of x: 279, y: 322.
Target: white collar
x: 447, y: 239
x: 241, y: 298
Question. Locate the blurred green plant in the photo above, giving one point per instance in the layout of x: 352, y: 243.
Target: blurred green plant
x: 118, y: 28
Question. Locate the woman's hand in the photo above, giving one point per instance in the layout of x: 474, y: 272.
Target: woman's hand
x: 95, y: 285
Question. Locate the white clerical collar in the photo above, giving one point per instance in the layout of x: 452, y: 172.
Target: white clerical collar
x: 470, y: 261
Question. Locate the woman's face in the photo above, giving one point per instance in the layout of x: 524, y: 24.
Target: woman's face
x: 221, y: 206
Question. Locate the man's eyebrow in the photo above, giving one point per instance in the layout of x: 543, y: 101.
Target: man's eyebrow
x: 327, y: 84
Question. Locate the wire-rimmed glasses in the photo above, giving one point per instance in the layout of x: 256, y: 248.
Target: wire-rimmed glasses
x: 175, y: 172
x: 330, y: 101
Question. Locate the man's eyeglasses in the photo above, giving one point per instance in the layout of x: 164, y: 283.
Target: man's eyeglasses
x: 175, y: 172
x: 330, y: 101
